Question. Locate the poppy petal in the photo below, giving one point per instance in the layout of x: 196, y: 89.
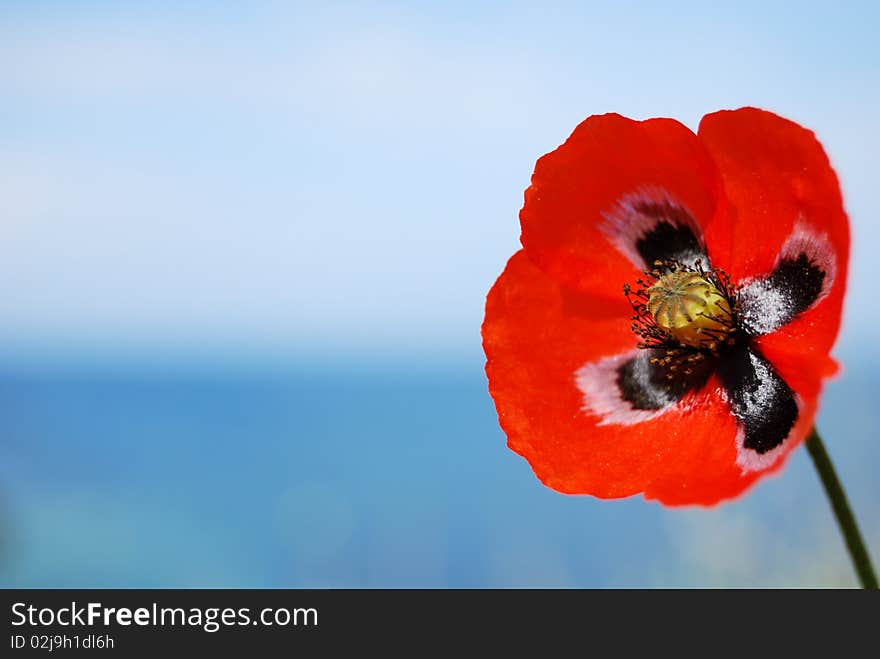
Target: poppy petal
x: 647, y: 188
x: 784, y: 200
x: 715, y: 468
x: 540, y: 338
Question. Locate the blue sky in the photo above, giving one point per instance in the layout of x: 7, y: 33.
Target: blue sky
x: 343, y: 179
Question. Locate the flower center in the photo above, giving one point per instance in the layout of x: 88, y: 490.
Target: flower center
x: 690, y: 308
x: 679, y: 306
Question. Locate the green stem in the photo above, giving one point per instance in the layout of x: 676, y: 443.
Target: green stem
x: 845, y: 519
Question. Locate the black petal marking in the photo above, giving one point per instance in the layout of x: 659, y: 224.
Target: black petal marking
x: 667, y: 240
x: 653, y: 385
x: 649, y: 226
x: 802, y: 276
x: 768, y: 304
x: 627, y: 389
x: 763, y: 404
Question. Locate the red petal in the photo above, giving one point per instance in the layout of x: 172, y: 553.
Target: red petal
x: 537, y: 334
x: 776, y: 175
x: 707, y: 471
x: 606, y: 158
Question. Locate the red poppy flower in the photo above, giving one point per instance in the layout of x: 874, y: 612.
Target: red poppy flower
x: 732, y: 247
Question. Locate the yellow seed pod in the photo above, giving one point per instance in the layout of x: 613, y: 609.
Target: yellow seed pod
x: 690, y: 308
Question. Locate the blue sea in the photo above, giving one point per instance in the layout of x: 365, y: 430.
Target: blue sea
x: 303, y: 475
